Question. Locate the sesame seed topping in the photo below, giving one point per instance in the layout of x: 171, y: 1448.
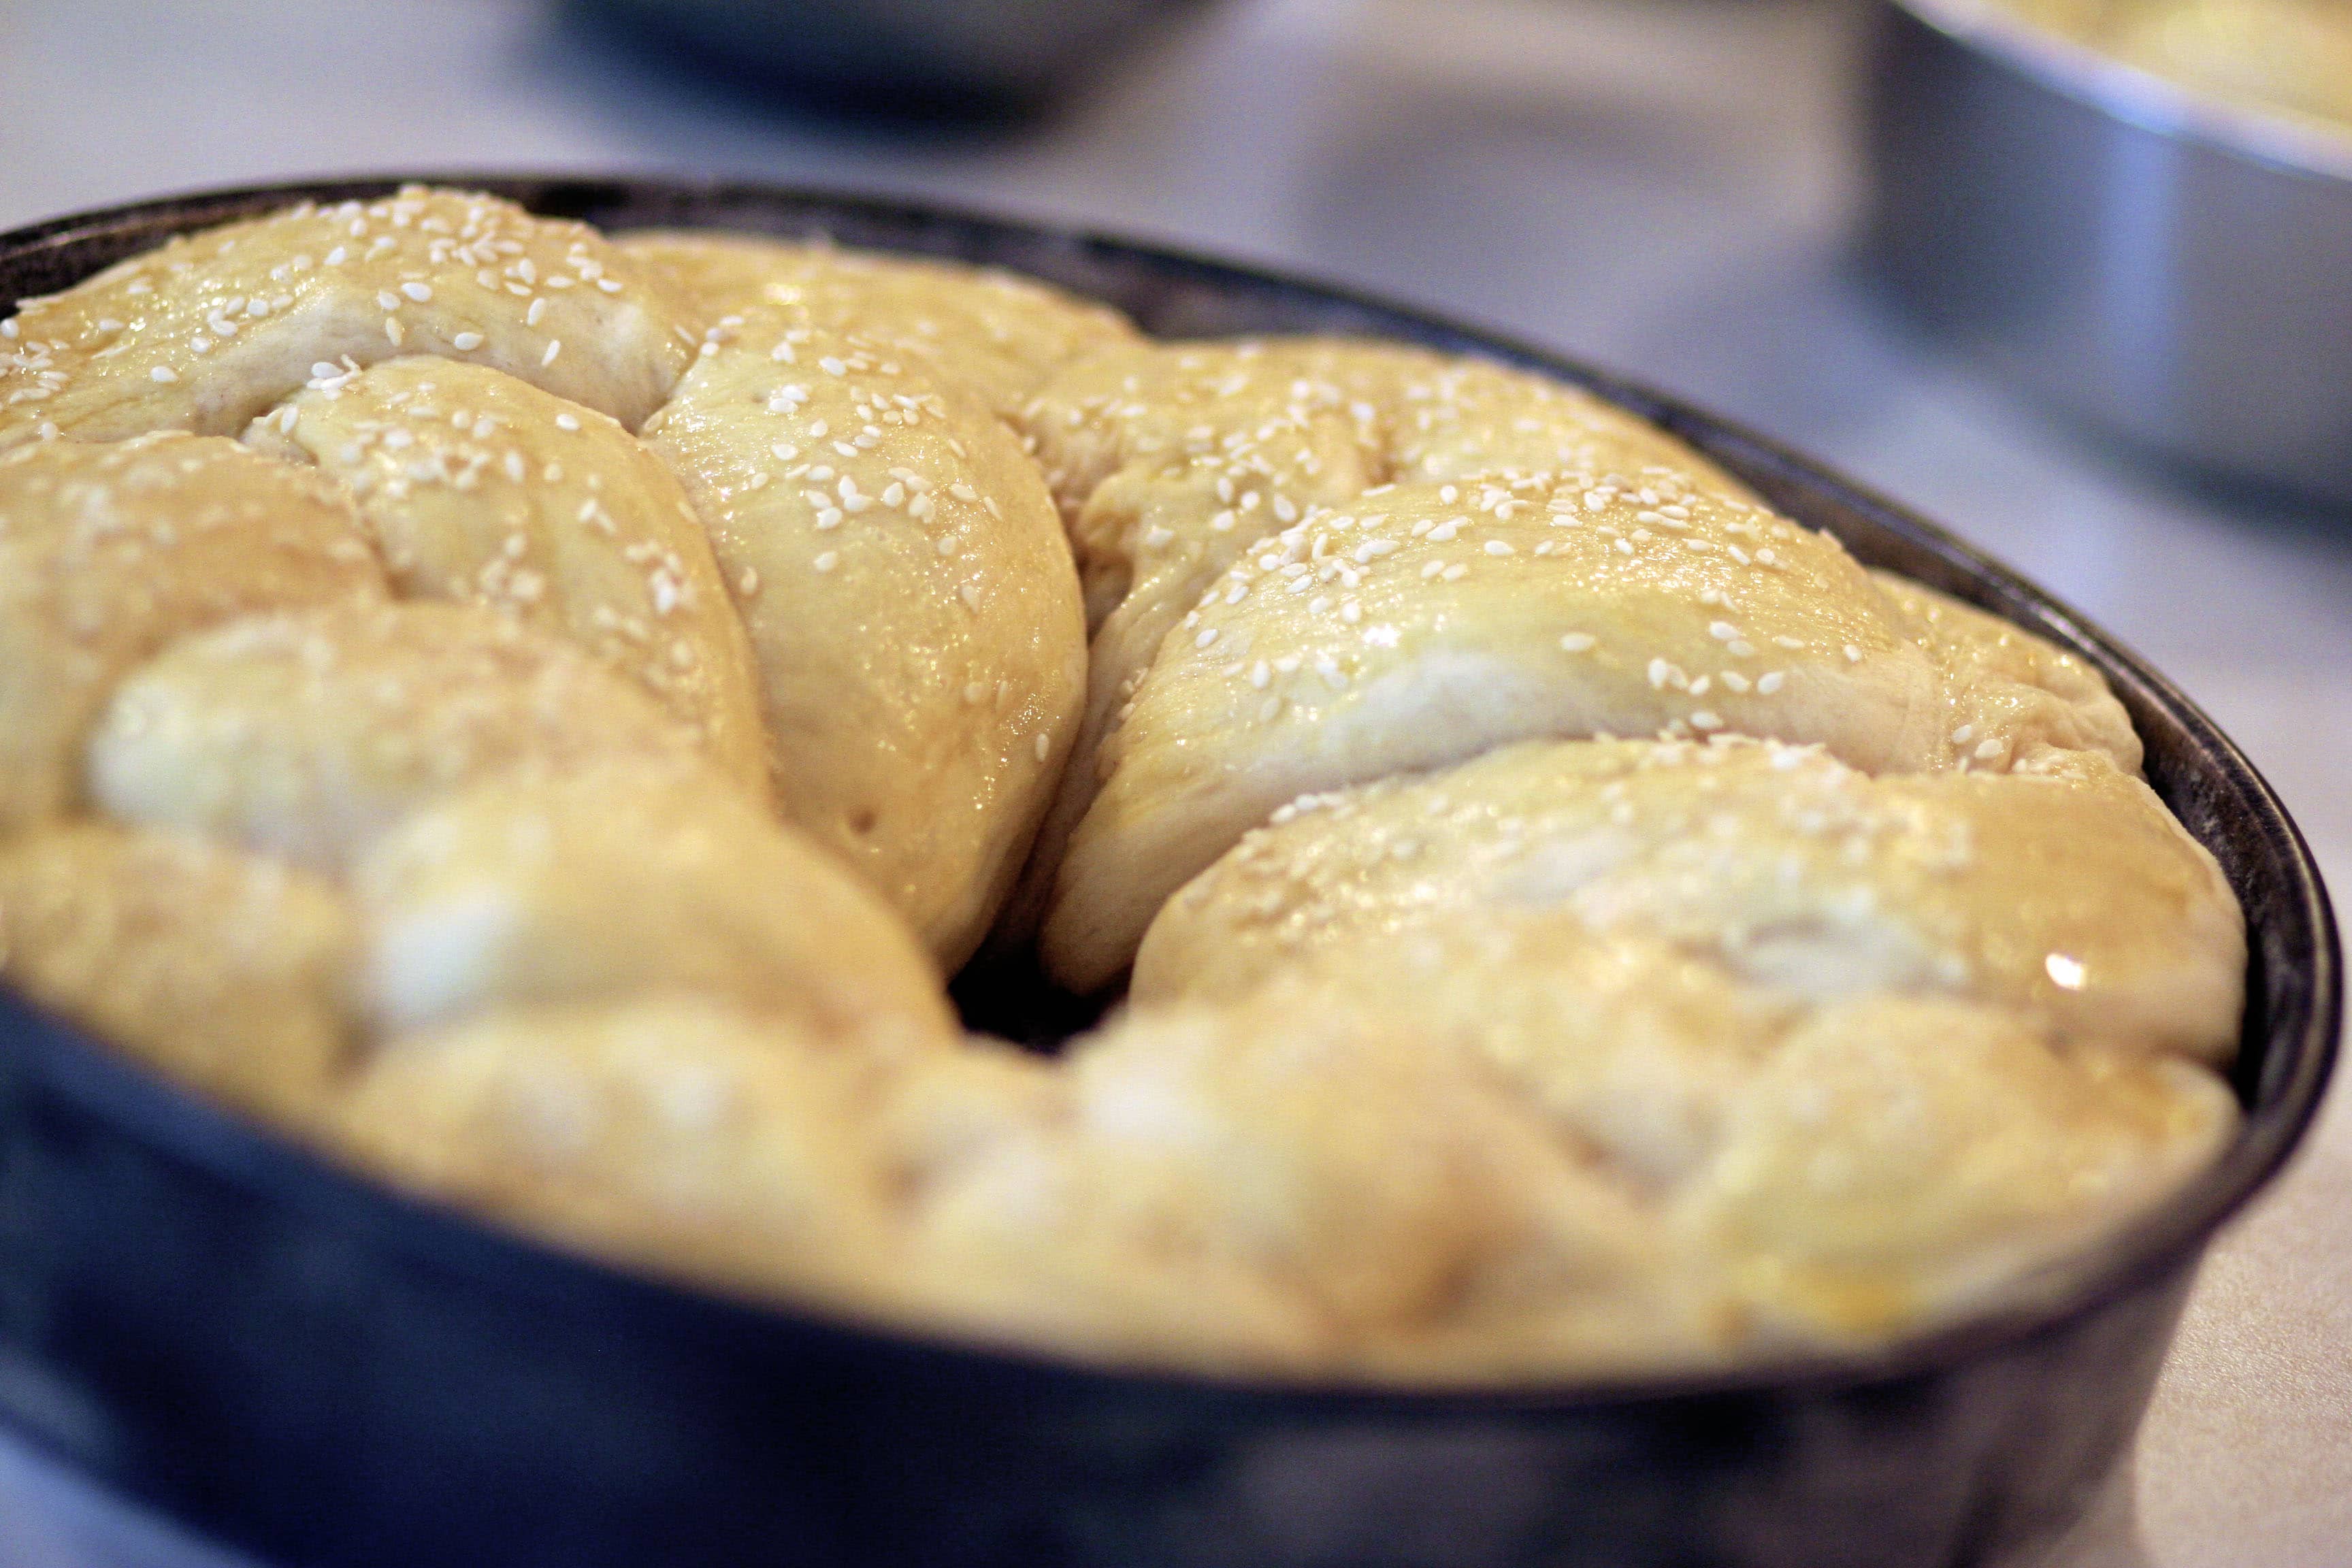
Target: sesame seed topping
x: 554, y: 347
x: 465, y: 343
x: 1578, y: 642
x: 827, y: 560
x: 163, y: 373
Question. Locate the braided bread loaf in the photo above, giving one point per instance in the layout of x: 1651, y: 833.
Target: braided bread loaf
x: 538, y: 716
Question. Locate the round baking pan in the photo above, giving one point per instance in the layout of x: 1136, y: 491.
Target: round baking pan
x: 209, y: 1322
x: 2165, y: 266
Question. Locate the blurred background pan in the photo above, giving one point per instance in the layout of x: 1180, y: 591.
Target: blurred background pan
x: 892, y: 58
x: 2169, y: 265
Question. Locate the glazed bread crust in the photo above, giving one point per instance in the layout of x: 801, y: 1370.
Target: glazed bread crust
x: 1577, y: 921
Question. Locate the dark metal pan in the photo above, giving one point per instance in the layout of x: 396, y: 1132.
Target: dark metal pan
x: 207, y: 1321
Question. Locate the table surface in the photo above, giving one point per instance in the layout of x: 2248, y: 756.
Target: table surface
x: 1666, y: 188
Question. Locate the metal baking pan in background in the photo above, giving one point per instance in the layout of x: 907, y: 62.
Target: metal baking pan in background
x: 2171, y: 269
x: 201, y: 1319
x: 891, y: 60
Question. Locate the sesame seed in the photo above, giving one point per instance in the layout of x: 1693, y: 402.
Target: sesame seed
x: 392, y: 329
x: 1044, y: 745
x: 466, y: 342
x: 163, y: 373
x: 1497, y: 547
x: 1852, y: 653
x: 1703, y: 720
x: 385, y: 299
x: 827, y: 561
x: 1205, y: 638
x: 554, y: 347
x: 1770, y: 682
x: 1578, y: 642
x: 417, y: 291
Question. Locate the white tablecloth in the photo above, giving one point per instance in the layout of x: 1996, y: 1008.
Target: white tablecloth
x: 1668, y: 188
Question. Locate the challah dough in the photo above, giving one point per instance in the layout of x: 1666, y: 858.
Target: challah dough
x: 1277, y: 1188
x: 993, y: 332
x: 306, y: 735
x: 229, y: 972
x: 1581, y: 921
x: 108, y: 553
x: 1427, y: 624
x: 907, y: 594
x: 2070, y: 896
x: 216, y: 327
x: 481, y: 489
x: 1172, y: 461
x: 670, y: 1131
x: 628, y: 877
